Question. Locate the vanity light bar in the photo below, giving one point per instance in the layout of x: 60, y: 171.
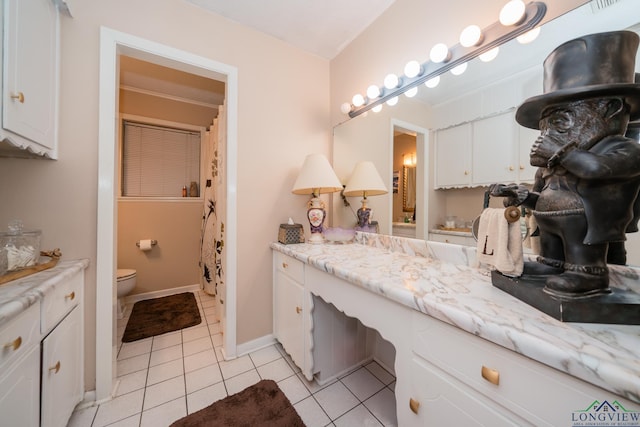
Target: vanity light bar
x: 494, y: 35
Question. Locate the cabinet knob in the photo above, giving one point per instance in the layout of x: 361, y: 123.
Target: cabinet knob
x: 491, y: 375
x: 19, y: 96
x: 55, y: 368
x: 298, y: 310
x: 511, y: 168
x: 15, y: 344
x: 521, y: 167
x: 71, y: 296
x: 414, y: 405
x: 285, y: 265
x: 466, y: 172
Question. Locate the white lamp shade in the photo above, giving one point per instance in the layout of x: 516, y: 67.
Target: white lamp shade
x: 365, y: 180
x: 316, y: 175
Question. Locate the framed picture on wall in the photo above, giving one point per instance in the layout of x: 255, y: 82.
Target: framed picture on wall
x: 396, y: 178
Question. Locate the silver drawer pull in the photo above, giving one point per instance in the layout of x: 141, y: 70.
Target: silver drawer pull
x: 15, y: 344
x: 491, y: 375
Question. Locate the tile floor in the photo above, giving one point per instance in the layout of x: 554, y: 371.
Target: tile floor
x: 166, y: 377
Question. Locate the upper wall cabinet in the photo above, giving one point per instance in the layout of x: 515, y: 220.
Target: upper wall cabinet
x: 30, y: 67
x: 486, y: 151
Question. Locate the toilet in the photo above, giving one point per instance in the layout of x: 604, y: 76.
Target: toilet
x: 126, y: 282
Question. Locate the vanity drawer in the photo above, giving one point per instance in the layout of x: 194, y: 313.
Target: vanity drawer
x: 290, y: 266
x: 19, y: 335
x: 59, y: 301
x: 536, y: 392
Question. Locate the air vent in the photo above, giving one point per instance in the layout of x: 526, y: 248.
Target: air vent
x: 598, y: 5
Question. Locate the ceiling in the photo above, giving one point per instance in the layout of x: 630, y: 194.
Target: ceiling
x: 321, y: 27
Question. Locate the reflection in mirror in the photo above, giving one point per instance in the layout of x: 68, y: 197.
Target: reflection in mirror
x: 409, y: 188
x: 486, y: 89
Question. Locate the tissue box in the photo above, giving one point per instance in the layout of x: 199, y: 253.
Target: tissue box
x: 290, y: 233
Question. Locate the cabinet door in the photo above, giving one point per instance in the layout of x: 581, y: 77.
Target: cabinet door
x: 31, y: 71
x: 439, y: 400
x: 288, y: 320
x: 453, y: 157
x: 526, y: 139
x: 20, y: 392
x: 62, y: 367
x: 495, y: 147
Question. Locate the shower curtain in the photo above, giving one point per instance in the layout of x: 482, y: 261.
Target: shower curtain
x: 212, y: 251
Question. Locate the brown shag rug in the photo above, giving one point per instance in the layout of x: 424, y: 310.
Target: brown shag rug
x: 262, y: 404
x: 161, y: 315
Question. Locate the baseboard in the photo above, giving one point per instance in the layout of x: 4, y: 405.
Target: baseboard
x: 129, y: 299
x: 254, y: 345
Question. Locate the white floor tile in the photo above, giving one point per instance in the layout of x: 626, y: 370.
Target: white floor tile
x: 293, y: 388
x: 167, y: 340
x: 381, y: 373
x: 265, y: 355
x: 165, y: 414
x: 311, y: 413
x: 131, y: 382
x: 231, y: 368
x: 208, y: 303
x: 163, y: 392
x: 336, y: 400
x: 165, y: 355
x: 357, y: 417
x: 383, y: 406
x: 83, y: 417
x: 205, y: 397
x: 196, y: 346
x: 165, y: 371
x: 132, y: 421
x: 194, y: 333
x: 276, y: 370
x: 135, y: 348
x: 200, y: 360
x: 313, y: 386
x: 203, y: 377
x: 242, y: 381
x: 119, y: 408
x: 133, y: 364
x: 362, y: 383
x: 216, y: 339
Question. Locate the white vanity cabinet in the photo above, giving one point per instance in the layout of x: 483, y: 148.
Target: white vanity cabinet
x: 20, y: 369
x: 30, y: 68
x: 453, y: 157
x: 495, y: 149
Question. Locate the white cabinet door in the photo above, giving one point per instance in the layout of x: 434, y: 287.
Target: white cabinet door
x: 288, y: 316
x: 526, y: 138
x: 62, y: 367
x: 30, y: 73
x: 495, y: 148
x: 20, y: 392
x: 453, y: 157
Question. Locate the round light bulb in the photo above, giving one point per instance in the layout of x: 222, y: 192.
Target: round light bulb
x: 456, y: 71
x: 391, y: 81
x: 471, y: 36
x: 393, y: 101
x: 489, y: 55
x: 412, y: 69
x: 345, y: 108
x: 411, y: 92
x: 433, y: 82
x: 373, y: 92
x: 357, y: 100
x: 439, y: 53
x: 377, y: 108
x: 512, y: 13
x: 529, y: 36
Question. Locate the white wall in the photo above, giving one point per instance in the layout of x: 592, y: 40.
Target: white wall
x: 283, y: 115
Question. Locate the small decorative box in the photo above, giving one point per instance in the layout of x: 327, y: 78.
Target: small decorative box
x: 290, y: 233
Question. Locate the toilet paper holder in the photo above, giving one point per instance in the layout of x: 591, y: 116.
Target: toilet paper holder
x: 153, y: 243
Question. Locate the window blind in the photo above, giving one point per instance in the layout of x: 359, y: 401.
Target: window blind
x: 158, y: 161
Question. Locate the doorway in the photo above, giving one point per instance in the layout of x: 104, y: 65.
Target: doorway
x: 112, y: 45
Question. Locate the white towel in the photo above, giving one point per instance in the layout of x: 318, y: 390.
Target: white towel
x: 500, y: 243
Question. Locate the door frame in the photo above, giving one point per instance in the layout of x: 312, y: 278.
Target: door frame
x: 112, y: 44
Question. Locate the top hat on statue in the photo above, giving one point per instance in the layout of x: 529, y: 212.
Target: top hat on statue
x: 593, y: 66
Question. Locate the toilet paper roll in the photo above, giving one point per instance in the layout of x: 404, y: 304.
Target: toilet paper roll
x: 145, y: 245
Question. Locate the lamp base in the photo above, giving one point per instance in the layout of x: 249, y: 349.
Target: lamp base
x: 316, y: 238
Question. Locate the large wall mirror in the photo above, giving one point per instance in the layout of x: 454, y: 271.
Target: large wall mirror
x: 371, y: 136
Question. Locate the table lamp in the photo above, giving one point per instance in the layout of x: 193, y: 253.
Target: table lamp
x: 316, y: 176
x: 365, y: 181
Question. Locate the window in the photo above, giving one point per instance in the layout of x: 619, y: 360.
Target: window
x: 158, y: 161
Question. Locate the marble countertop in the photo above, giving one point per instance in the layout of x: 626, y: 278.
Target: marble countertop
x: 451, y: 232
x: 438, y: 279
x: 17, y: 295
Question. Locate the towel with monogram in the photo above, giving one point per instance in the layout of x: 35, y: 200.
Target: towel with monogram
x: 499, y: 243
